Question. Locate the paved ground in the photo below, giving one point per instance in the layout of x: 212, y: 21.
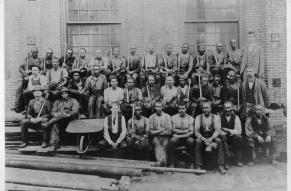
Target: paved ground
x: 265, y: 177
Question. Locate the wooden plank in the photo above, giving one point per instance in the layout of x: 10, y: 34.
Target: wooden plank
x: 72, y: 167
x: 55, y: 179
x: 76, y: 159
x: 23, y: 187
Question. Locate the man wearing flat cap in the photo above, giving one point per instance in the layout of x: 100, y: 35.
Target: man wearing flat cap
x: 38, y: 114
x: 64, y: 110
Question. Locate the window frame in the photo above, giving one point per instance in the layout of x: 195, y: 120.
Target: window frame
x: 240, y: 22
x: 65, y: 22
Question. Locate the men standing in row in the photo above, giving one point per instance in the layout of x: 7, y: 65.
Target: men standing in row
x: 234, y: 55
x: 134, y: 65
x: 160, y: 131
x: 38, y: 114
x: 252, y: 58
x: 207, y: 129
x: 150, y: 66
x: 182, y: 133
x: 67, y: 60
x: 185, y: 62
x: 117, y: 65
x: 94, y: 88
x: 168, y: 63
x: 81, y: 63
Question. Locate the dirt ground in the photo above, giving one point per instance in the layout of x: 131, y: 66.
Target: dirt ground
x: 265, y: 177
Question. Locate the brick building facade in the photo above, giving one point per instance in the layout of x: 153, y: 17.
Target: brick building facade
x: 51, y: 24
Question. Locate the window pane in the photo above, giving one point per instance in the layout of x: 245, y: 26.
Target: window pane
x: 83, y: 4
x: 73, y: 4
x: 73, y: 15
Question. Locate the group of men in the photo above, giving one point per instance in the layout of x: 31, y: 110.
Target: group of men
x: 155, y: 100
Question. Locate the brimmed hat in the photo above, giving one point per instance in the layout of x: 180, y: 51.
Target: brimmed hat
x: 64, y: 89
x: 37, y: 88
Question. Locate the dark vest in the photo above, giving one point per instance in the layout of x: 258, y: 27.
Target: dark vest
x: 225, y: 123
x: 250, y: 94
x: 261, y: 129
x: 203, y: 130
x: 114, y: 136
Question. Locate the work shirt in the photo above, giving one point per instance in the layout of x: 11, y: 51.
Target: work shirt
x: 103, y: 63
x: 185, y: 62
x: 258, y: 127
x: 151, y: 61
x: 57, y: 75
x: 80, y: 63
x: 38, y: 80
x: 29, y: 62
x: 169, y: 94
x: 68, y: 61
x: 34, y: 107
x: 154, y: 92
x: 69, y: 105
x: 183, y: 91
x: 111, y: 95
x: 170, y: 61
x: 76, y: 84
x: 96, y: 85
x: 235, y: 58
x: 132, y: 95
x: 134, y: 63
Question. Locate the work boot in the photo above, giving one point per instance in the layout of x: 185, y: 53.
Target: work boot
x: 44, y: 144
x: 221, y: 169
x: 23, y: 144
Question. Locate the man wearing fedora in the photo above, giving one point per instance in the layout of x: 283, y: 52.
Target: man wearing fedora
x: 64, y: 110
x: 38, y: 113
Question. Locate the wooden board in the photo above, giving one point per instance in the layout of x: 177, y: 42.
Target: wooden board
x: 55, y: 179
x: 24, y: 187
x: 85, y: 126
x: 38, y: 149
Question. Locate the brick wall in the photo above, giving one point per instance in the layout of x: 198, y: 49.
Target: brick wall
x: 38, y: 19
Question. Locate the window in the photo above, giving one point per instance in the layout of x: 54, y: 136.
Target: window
x: 93, y: 24
x: 211, y: 21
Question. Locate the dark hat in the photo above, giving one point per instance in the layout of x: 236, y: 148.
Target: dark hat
x: 37, y: 88
x: 64, y: 89
x: 274, y: 106
x: 75, y: 71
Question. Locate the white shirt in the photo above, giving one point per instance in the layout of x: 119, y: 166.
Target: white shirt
x: 111, y: 95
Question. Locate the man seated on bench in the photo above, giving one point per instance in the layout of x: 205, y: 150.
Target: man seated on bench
x: 114, y: 131
x: 183, y: 129
x: 64, y: 110
x: 38, y: 113
x: 160, y: 132
x: 259, y: 134
x: 138, y: 128
x: 207, y: 128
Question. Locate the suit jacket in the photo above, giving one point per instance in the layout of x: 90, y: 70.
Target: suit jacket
x: 260, y: 93
x: 255, y: 58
